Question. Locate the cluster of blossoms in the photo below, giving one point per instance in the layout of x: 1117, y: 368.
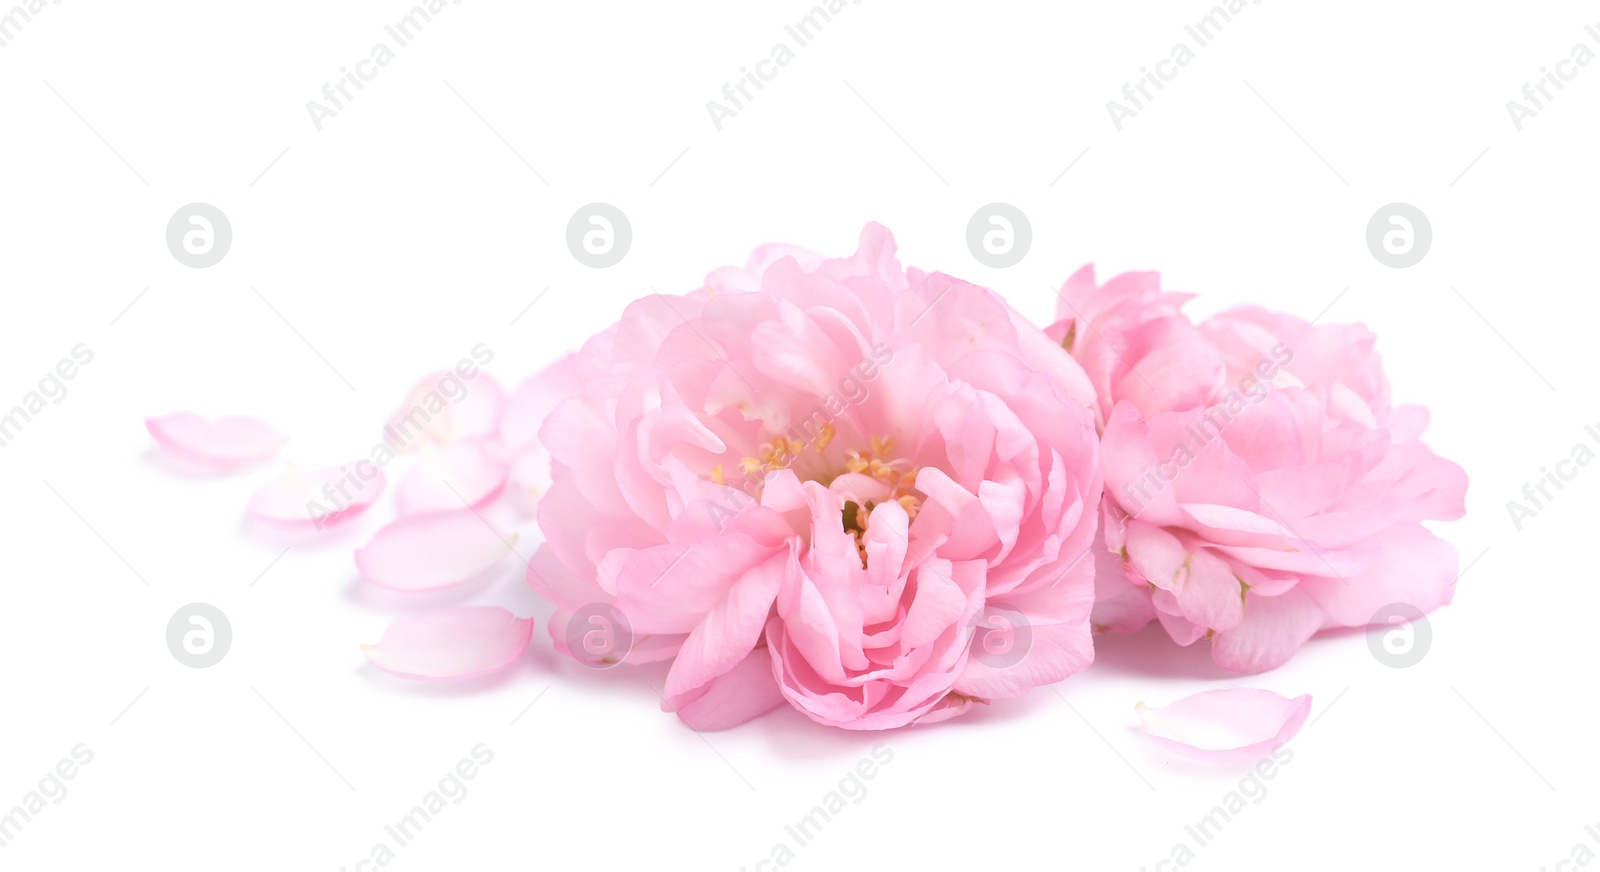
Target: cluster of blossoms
x: 881, y: 496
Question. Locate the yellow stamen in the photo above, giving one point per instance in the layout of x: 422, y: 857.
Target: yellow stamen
x: 883, y: 472
x: 716, y: 474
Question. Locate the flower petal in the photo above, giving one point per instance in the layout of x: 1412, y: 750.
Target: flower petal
x: 451, y: 476
x: 452, y: 642
x: 1236, y: 723
x: 317, y: 498
x: 228, y: 442
x: 445, y: 406
x: 742, y: 693
x: 431, y: 550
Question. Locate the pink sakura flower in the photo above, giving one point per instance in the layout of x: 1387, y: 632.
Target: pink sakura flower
x: 1260, y: 485
x: 866, y: 491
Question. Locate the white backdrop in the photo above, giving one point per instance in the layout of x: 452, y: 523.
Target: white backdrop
x: 427, y: 214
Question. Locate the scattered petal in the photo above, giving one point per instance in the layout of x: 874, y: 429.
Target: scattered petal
x: 317, y: 498
x: 444, y: 407
x: 1240, y: 722
x: 1226, y: 724
x: 451, y: 476
x: 452, y: 642
x: 431, y: 550
x: 229, y: 442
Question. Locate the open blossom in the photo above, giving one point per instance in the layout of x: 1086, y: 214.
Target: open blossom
x: 1260, y: 486
x: 867, y: 491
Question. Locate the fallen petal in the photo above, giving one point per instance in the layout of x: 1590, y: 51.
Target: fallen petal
x: 452, y: 642
x: 1240, y: 722
x: 229, y: 442
x: 431, y: 550
x: 317, y: 498
x: 444, y: 407
x: 454, y: 475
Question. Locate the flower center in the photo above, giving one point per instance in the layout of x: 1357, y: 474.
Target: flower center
x: 865, y: 478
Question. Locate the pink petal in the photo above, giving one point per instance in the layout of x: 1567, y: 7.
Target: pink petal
x: 535, y: 398
x: 444, y: 407
x: 1273, y: 629
x: 1237, y: 723
x: 229, y: 442
x: 742, y: 693
x: 317, y: 498
x: 451, y: 476
x: 431, y: 550
x: 452, y: 642
x: 730, y: 629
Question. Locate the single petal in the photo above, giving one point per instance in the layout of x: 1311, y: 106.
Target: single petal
x: 1237, y: 723
x: 452, y: 642
x: 729, y: 630
x: 1120, y: 604
x: 431, y: 550
x: 535, y: 398
x: 229, y: 442
x: 743, y: 692
x: 1273, y: 629
x: 451, y: 476
x: 446, y: 406
x: 317, y: 498
x: 1414, y: 567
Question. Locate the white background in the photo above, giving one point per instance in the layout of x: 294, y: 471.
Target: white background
x: 406, y: 231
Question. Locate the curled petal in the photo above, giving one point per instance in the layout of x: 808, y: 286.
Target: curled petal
x: 431, y: 550
x: 229, y: 442
x: 1237, y: 723
x: 451, y: 476
x: 452, y: 642
x: 317, y: 498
